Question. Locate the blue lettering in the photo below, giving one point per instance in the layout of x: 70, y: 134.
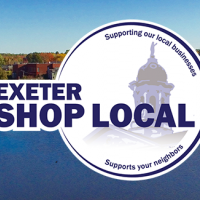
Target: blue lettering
x: 182, y: 117
x: 127, y: 115
x: 69, y: 115
x: 22, y: 115
x: 30, y: 91
x: 96, y: 117
x: 137, y: 115
x: 165, y: 109
x: 5, y: 115
x: 75, y: 92
x: 44, y: 114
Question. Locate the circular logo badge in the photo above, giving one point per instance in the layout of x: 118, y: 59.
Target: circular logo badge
x: 134, y: 107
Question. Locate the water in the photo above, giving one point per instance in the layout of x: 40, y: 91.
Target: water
x: 38, y: 165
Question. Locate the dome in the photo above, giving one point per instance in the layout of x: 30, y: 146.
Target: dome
x: 152, y: 72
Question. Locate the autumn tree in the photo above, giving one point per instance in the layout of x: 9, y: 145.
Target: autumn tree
x: 8, y: 59
x: 51, y: 57
x: 2, y: 62
x: 3, y: 74
x: 47, y: 57
x: 59, y: 57
x: 198, y: 51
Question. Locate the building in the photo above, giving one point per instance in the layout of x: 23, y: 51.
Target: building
x: 32, y: 69
x: 52, y: 73
x: 25, y: 60
x: 7, y: 67
x: 151, y: 87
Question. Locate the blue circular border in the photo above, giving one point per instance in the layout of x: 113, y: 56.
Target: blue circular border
x: 198, y: 64
x: 141, y: 175
x: 136, y: 24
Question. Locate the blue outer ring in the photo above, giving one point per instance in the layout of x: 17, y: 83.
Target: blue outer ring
x: 137, y: 24
x: 141, y: 175
x: 198, y: 64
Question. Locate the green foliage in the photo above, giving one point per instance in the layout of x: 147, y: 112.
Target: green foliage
x: 10, y: 59
x: 66, y: 51
x: 34, y: 58
x: 3, y: 74
x: 24, y: 77
x: 1, y: 60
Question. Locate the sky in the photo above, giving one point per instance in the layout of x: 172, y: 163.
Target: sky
x: 56, y: 25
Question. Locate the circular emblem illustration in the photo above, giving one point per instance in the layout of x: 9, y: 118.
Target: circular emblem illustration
x: 133, y: 112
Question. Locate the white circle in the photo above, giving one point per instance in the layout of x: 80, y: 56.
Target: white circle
x: 105, y: 67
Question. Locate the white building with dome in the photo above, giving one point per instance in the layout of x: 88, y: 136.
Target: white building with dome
x: 151, y: 87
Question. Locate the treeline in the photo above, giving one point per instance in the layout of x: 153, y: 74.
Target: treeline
x: 45, y: 57
x: 36, y: 57
x: 10, y: 59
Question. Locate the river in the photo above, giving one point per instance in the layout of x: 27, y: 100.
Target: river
x: 38, y: 165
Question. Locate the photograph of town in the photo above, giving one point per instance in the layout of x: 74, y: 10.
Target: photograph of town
x: 30, y: 66
x: 33, y: 65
